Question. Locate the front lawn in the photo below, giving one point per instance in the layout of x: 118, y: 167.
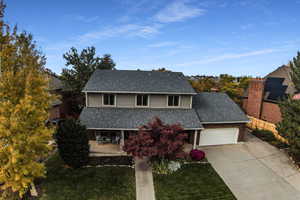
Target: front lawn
x: 102, y: 183
x: 192, y: 182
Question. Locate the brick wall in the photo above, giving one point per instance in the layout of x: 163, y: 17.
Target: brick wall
x: 255, y: 96
x: 244, y: 105
x: 270, y: 112
x: 54, y: 113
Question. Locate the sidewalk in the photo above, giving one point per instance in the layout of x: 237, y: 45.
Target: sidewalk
x: 144, y: 180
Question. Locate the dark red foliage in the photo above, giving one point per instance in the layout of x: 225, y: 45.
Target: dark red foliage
x: 197, y: 154
x: 157, y: 140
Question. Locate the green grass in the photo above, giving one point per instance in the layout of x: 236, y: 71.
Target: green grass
x: 104, y: 183
x: 192, y: 182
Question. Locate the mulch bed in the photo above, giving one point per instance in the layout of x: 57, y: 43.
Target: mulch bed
x: 111, y: 160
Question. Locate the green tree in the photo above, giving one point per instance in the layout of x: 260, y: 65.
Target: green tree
x: 24, y: 104
x: 161, y: 69
x: 295, y: 66
x: 72, y: 143
x: 289, y: 127
x: 83, y: 65
x: 107, y: 63
x: 233, y: 86
x: 204, y: 84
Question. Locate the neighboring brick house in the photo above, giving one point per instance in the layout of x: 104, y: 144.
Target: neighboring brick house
x: 118, y: 102
x: 263, y: 95
x: 57, y: 108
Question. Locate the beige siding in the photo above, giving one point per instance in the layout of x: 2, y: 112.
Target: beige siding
x: 185, y: 101
x: 128, y: 100
x: 94, y: 100
x: 125, y: 100
x: 158, y: 101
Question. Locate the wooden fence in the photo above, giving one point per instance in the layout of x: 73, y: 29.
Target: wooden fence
x: 263, y: 125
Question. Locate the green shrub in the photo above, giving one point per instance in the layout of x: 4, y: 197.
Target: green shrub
x: 72, y: 142
x: 164, y: 166
x: 265, y: 135
x: 269, y: 137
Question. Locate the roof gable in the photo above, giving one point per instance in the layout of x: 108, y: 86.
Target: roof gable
x: 274, y: 89
x: 126, y: 81
x: 284, y: 72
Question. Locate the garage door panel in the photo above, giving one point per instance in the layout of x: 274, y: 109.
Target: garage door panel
x: 218, y: 136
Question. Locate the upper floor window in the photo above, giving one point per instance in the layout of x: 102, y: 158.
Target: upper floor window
x: 142, y: 100
x: 173, y: 100
x: 109, y: 99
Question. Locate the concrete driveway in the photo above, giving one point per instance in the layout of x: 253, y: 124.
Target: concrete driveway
x: 255, y: 170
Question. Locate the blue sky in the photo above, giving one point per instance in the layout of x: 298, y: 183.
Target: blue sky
x: 245, y: 37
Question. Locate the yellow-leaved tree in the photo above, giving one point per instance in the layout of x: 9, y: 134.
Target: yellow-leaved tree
x: 24, y: 104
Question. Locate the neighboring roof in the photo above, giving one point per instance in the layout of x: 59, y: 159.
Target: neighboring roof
x: 54, y: 83
x: 274, y: 89
x: 126, y: 81
x: 133, y: 118
x: 213, y: 107
x: 56, y: 102
x: 284, y: 72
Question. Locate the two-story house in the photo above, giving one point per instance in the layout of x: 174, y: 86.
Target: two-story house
x: 118, y: 102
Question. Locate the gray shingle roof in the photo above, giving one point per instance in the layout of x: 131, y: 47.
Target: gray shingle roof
x: 54, y: 83
x: 213, y: 107
x: 284, y: 72
x: 132, y: 118
x: 139, y: 81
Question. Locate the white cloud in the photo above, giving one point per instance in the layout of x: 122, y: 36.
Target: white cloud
x: 90, y: 38
x: 162, y: 44
x: 178, y: 11
x: 230, y: 56
x: 123, y: 30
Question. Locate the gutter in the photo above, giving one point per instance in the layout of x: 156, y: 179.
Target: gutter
x: 134, y: 129
x: 227, y: 122
x: 136, y: 92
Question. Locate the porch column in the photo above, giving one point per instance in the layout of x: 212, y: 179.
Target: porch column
x: 86, y: 100
x: 122, y: 140
x: 195, y: 139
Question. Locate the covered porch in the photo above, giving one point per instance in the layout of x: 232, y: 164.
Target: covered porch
x: 105, y: 149
x: 106, y: 142
x: 110, y: 143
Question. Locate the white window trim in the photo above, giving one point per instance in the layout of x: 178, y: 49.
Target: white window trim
x: 148, y: 101
x: 179, y: 101
x: 115, y: 101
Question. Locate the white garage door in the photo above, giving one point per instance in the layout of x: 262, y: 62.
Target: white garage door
x: 216, y: 136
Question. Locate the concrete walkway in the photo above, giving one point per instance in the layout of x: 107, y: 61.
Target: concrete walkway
x: 255, y: 170
x: 144, y: 180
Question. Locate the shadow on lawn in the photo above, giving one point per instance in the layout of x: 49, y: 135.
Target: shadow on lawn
x: 105, y: 183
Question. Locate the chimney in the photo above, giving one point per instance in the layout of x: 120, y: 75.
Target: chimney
x: 255, y: 97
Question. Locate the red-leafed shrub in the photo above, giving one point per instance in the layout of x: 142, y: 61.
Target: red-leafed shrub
x: 157, y: 140
x: 197, y: 154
